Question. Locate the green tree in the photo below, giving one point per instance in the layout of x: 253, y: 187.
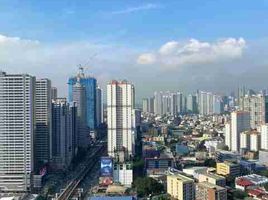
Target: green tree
x: 146, y: 186
x: 210, y: 162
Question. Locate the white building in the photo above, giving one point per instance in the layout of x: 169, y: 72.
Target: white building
x: 264, y: 137
x: 240, y: 121
x: 145, y: 105
x: 228, y: 135
x: 158, y: 103
x: 99, y: 106
x: 255, y: 141
x: 245, y: 140
x: 120, y: 105
x: 123, y: 173
x: 43, y: 126
x: 16, y: 131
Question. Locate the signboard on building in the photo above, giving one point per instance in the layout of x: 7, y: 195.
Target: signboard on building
x: 106, y: 167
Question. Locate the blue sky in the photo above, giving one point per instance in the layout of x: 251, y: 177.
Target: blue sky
x: 122, y: 30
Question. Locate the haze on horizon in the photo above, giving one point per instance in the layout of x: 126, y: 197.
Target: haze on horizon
x: 157, y: 45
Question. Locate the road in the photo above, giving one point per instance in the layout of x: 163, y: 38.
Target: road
x: 91, y: 162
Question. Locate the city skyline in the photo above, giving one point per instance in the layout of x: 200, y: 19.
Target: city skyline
x: 183, y: 51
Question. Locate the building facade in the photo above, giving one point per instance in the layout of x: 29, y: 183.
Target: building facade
x: 180, y: 187
x: 90, y: 85
x: 43, y: 126
x: 17, y: 104
x: 121, y: 130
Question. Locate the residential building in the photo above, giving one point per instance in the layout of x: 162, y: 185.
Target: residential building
x: 43, y: 126
x: 240, y: 121
x: 99, y: 106
x: 120, y: 105
x: 180, y: 187
x: 212, y: 178
x: 145, y: 105
x: 245, y: 140
x: 151, y: 105
x: 64, y: 130
x: 228, y: 169
x: 158, y: 103
x: 208, y: 191
x: 264, y: 136
x: 17, y: 115
x: 54, y: 93
x: 255, y: 141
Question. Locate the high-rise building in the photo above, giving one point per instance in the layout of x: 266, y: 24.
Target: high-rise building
x: 173, y: 104
x: 256, y: 105
x: 228, y: 135
x: 255, y: 141
x: 17, y: 104
x: 79, y: 97
x: 180, y: 187
x: 191, y: 104
x: 151, y: 105
x: 240, y: 121
x: 99, y: 106
x: 64, y: 138
x: 264, y: 136
x: 245, y: 140
x: 158, y: 103
x: 145, y: 105
x: 90, y: 84
x: 208, y: 191
x: 120, y: 105
x: 42, y: 135
x: 54, y: 93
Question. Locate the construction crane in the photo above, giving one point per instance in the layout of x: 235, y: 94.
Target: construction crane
x: 82, y: 68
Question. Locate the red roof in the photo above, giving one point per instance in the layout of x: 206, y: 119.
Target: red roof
x: 244, y: 182
x: 256, y: 192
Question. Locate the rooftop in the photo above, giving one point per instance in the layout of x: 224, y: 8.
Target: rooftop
x: 255, y: 179
x: 181, y: 177
x: 211, y: 186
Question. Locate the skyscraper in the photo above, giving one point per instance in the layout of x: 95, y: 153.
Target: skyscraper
x: 264, y: 136
x: 64, y: 131
x: 42, y: 136
x: 99, y: 106
x: 16, y: 131
x: 256, y: 105
x: 158, y: 103
x: 145, y: 105
x: 120, y: 105
x: 54, y: 93
x: 90, y: 84
x: 79, y: 97
x: 240, y: 121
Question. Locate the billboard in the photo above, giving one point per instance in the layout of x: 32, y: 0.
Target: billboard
x: 105, y: 181
x: 106, y: 167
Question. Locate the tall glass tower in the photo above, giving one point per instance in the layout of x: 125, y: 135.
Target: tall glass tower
x: 90, y: 84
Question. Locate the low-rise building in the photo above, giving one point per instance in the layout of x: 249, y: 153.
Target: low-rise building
x: 212, y: 178
x: 123, y: 173
x: 208, y: 191
x: 228, y: 169
x: 180, y: 187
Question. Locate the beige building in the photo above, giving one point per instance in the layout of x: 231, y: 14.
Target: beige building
x: 180, y: 187
x: 212, y: 178
x: 228, y: 169
x: 208, y: 191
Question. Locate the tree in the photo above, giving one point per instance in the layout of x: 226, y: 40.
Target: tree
x: 210, y: 162
x: 146, y: 186
x: 239, y: 194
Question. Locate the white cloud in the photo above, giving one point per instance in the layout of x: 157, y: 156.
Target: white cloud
x: 173, y: 54
x: 146, y: 58
x: 148, y: 6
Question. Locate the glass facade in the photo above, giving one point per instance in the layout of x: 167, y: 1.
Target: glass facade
x: 90, y: 85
